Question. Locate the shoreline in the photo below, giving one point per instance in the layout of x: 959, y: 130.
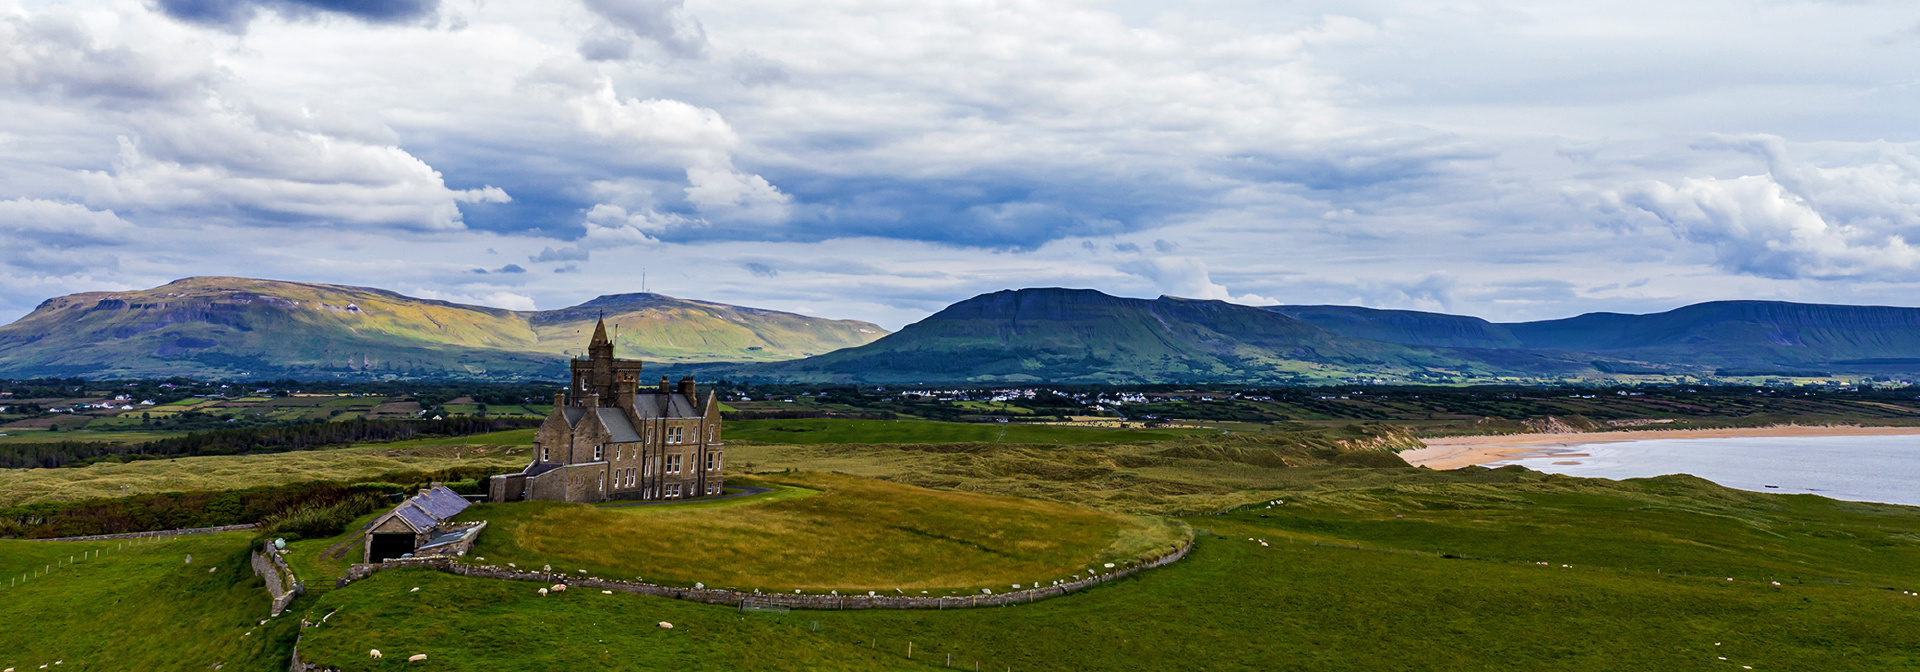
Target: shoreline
x: 1454, y: 452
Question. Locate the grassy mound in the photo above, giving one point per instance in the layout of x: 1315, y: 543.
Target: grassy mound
x: 822, y: 532
x: 139, y: 606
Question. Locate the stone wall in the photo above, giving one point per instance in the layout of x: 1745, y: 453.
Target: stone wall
x: 155, y: 533
x: 732, y: 597
x: 282, y: 586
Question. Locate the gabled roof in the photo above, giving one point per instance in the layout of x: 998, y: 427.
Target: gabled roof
x: 619, y: 430
x: 435, y: 506
x: 573, y: 414
x: 441, y: 502
x: 415, y: 517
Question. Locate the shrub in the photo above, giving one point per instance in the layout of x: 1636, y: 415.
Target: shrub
x: 316, y: 520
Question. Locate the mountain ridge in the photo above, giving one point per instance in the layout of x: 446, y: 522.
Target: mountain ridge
x: 243, y: 327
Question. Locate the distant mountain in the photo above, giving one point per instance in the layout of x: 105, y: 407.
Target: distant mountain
x: 1406, y: 327
x: 1737, y: 337
x: 239, y: 327
x: 1078, y: 335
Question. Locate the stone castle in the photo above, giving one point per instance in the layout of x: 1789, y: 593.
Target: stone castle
x: 607, y: 440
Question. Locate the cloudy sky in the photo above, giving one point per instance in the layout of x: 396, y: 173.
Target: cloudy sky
x: 878, y: 160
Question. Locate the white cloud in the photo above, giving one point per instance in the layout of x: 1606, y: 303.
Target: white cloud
x: 1799, y: 220
x: 1187, y: 277
x: 60, y: 225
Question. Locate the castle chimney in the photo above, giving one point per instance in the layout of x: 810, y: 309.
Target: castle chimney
x: 664, y: 387
x: 559, y: 399
x: 686, y: 388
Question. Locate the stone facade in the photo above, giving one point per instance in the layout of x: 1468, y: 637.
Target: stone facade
x: 606, y: 439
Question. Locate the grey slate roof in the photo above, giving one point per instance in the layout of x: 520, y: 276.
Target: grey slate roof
x: 619, y: 430
x: 413, y: 515
x: 573, y: 414
x: 441, y: 502
x: 671, y: 405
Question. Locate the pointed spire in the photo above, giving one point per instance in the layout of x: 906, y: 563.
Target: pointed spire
x: 600, y: 332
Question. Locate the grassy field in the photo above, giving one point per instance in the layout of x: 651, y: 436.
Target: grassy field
x: 1192, y: 474
x: 814, y: 431
x: 1308, y: 600
x: 846, y: 534
x: 112, y: 479
x: 140, y: 606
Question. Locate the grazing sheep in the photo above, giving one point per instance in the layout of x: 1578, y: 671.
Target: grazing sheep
x: 559, y: 587
x: 415, y: 589
x: 543, y: 592
x: 416, y: 657
x: 606, y: 592
x: 666, y: 626
x: 374, y: 653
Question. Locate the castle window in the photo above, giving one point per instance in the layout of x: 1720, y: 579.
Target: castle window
x: 619, y: 452
x: 673, y: 464
x: 544, y: 455
x: 599, y: 450
x: 710, y: 431
x: 713, y: 460
x: 673, y: 434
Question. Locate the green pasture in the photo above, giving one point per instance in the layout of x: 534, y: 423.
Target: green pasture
x: 854, y: 534
x: 1341, y: 584
x: 141, y: 606
x: 814, y: 431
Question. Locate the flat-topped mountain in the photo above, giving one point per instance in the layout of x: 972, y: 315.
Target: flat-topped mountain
x: 1754, y: 336
x: 241, y: 327
x: 1080, y: 335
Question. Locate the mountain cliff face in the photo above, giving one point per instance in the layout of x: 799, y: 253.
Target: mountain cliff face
x: 1070, y: 335
x: 239, y: 327
x: 1406, y: 327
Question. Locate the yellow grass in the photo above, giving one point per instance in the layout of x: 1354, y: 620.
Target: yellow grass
x: 856, y: 534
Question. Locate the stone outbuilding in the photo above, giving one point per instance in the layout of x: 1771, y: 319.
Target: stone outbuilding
x: 419, y: 525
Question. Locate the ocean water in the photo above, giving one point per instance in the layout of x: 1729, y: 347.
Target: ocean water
x: 1858, y: 468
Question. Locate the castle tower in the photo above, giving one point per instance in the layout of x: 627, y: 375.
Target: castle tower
x: 600, y: 375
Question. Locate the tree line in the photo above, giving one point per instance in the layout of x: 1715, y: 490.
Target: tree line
x: 241, y: 441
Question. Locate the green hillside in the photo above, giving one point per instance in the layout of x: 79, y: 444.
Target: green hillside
x: 1077, y: 335
x: 239, y: 327
x: 1734, y: 337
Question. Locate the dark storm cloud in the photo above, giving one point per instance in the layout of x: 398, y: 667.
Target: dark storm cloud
x: 234, y: 15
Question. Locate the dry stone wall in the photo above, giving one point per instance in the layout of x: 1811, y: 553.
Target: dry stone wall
x: 282, y: 585
x: 734, y: 597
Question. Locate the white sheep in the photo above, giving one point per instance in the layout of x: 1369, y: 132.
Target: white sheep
x: 374, y: 653
x: 666, y: 626
x: 416, y: 657
x: 559, y: 587
x: 543, y: 592
x: 606, y: 592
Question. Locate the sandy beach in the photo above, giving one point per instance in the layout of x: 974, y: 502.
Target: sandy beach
x: 1454, y: 452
